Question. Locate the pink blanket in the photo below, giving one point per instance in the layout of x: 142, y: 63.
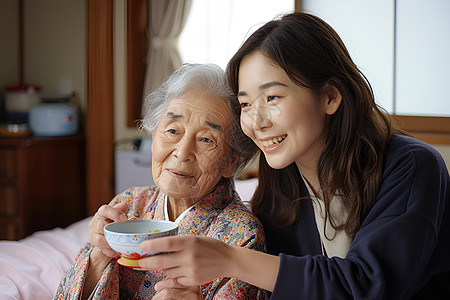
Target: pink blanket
x: 32, y: 267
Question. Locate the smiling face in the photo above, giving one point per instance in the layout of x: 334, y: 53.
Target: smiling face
x: 190, y: 151
x: 287, y: 122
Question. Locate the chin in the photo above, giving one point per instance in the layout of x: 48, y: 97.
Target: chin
x: 277, y: 164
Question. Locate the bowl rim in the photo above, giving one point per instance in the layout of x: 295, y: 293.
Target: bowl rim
x: 106, y: 228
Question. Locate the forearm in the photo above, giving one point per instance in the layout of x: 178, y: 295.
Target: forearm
x: 257, y: 268
x: 97, y: 264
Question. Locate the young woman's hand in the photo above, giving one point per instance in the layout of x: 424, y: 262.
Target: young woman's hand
x: 171, y: 289
x: 105, y: 215
x: 194, y: 260
x: 191, y: 260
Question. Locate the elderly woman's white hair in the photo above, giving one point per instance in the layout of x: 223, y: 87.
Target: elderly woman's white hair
x: 212, y: 81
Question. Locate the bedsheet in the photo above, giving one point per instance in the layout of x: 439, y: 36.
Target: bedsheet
x: 32, y: 267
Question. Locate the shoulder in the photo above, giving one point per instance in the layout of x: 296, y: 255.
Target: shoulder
x: 237, y: 210
x: 237, y: 225
x: 415, y: 179
x: 409, y: 158
x: 140, y: 200
x: 409, y: 150
x: 134, y: 193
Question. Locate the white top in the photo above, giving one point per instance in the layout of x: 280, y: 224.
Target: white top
x: 340, y: 244
x: 166, y: 212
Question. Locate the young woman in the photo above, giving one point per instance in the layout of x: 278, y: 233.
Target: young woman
x: 351, y: 208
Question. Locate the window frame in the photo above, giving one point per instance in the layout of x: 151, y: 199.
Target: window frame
x: 136, y: 45
x: 432, y: 130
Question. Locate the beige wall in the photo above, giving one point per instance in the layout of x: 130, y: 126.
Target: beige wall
x: 445, y: 152
x: 54, y: 45
x: 9, y: 43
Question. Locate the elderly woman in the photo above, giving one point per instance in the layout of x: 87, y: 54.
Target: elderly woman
x: 197, y: 148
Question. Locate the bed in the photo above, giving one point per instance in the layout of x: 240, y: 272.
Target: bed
x: 31, y: 268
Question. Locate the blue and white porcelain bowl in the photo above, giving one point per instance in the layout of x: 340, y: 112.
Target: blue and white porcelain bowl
x: 125, y: 238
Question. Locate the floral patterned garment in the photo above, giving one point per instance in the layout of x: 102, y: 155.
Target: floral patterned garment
x: 221, y: 215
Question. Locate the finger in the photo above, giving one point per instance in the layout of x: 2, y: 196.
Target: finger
x: 96, y: 233
x: 168, y: 283
x: 113, y: 213
x: 167, y: 244
x: 178, y: 260
x: 105, y: 215
x: 187, y: 281
x: 178, y: 292
x: 158, y: 262
x: 178, y: 273
x: 123, y: 207
x: 183, y: 276
x: 99, y: 240
x: 166, y: 295
x: 97, y: 255
x: 97, y: 223
x: 110, y: 253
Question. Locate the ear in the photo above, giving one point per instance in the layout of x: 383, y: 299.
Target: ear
x: 333, y: 98
x: 229, y: 170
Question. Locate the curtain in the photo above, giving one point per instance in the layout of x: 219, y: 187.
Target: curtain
x: 166, y: 21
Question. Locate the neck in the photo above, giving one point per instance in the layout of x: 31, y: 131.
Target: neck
x: 176, y: 207
x: 312, y: 177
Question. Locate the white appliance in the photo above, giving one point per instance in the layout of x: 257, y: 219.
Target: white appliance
x: 134, y: 168
x: 53, y: 119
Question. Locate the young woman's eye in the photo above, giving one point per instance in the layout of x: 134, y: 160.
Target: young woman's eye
x: 271, y: 98
x: 244, y: 105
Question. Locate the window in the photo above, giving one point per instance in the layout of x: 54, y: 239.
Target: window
x: 215, y: 28
x: 422, y: 57
x: 402, y: 47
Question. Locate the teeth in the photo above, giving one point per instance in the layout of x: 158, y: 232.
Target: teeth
x: 273, y: 142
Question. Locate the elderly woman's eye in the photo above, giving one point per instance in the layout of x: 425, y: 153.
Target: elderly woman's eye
x: 172, y: 131
x: 206, y: 140
x: 206, y: 144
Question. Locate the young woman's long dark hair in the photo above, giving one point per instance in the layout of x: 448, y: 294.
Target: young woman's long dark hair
x: 312, y: 54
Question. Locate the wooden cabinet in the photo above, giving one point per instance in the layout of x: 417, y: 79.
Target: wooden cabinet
x: 42, y: 184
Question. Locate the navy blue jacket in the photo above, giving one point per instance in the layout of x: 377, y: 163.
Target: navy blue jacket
x: 402, y: 250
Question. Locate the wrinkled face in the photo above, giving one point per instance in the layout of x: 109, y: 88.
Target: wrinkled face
x: 190, y: 150
x: 286, y: 121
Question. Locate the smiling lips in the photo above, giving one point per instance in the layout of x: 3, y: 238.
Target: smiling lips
x: 273, y: 141
x: 178, y: 174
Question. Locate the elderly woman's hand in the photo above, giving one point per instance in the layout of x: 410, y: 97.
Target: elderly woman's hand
x: 102, y: 253
x: 171, y: 289
x: 105, y: 215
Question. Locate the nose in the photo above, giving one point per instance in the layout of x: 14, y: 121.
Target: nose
x: 184, y: 149
x: 261, y: 117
